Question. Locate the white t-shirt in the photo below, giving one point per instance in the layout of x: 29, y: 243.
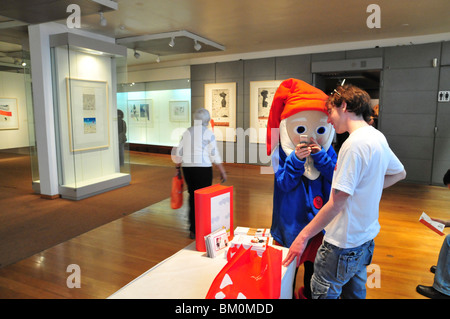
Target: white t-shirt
x: 364, y: 159
x: 198, y: 147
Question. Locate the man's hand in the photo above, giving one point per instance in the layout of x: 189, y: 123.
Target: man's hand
x: 296, y: 250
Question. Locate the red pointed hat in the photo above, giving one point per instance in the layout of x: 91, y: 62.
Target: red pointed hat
x: 291, y: 97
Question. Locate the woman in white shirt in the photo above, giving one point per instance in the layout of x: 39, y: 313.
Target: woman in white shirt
x: 196, y: 153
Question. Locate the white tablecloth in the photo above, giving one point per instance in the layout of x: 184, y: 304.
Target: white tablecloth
x: 188, y: 274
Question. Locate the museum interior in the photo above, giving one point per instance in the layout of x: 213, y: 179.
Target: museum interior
x: 96, y: 94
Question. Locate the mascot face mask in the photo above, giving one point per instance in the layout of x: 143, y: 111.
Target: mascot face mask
x: 299, y: 109
x: 311, y: 123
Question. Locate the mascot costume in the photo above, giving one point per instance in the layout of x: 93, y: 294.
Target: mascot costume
x: 302, y: 185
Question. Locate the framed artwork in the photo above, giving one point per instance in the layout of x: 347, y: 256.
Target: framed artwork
x: 261, y: 97
x: 9, y: 114
x: 179, y: 111
x: 220, y: 101
x: 140, y: 111
x: 88, y: 114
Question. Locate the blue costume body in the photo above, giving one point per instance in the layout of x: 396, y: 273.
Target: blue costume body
x: 298, y: 199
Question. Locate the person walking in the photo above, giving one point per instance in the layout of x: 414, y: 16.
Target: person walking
x: 195, y: 154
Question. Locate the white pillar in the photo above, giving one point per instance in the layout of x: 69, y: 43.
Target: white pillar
x: 41, y: 78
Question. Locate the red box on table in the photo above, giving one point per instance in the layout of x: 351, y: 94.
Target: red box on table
x: 213, y: 210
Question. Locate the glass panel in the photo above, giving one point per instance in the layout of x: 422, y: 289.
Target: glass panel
x: 26, y: 64
x: 122, y: 129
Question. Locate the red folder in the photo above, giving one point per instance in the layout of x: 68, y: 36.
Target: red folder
x: 213, y: 210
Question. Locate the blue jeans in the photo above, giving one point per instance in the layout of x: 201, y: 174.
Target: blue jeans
x: 341, y: 272
x: 442, y: 275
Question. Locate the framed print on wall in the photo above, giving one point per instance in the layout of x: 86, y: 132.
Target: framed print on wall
x: 9, y: 114
x: 140, y: 111
x: 88, y: 114
x: 261, y: 97
x: 220, y: 101
x: 179, y: 111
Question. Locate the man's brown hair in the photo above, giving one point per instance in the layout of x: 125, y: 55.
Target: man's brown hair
x: 358, y: 100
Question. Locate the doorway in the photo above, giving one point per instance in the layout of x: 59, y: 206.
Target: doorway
x: 368, y: 80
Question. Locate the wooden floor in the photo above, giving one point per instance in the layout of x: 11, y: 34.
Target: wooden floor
x: 112, y: 255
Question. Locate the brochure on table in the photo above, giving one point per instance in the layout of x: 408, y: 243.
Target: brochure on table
x: 435, y: 226
x: 251, y: 238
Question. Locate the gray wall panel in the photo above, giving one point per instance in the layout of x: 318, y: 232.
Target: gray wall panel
x: 414, y: 56
x: 444, y: 80
x: 288, y: 66
x: 413, y: 79
x: 365, y: 53
x: 328, y: 56
x: 441, y: 161
x: 417, y: 170
x: 411, y: 125
x: 404, y: 147
x: 412, y: 102
x: 234, y: 69
x: 443, y: 120
x: 439, y: 170
x: 259, y: 68
x: 203, y: 72
x: 445, y: 59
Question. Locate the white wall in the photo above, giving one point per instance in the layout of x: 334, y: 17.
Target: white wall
x: 12, y: 85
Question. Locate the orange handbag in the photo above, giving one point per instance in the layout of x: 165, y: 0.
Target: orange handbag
x: 176, y: 196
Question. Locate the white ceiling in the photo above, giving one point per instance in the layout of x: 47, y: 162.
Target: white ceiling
x: 245, y: 26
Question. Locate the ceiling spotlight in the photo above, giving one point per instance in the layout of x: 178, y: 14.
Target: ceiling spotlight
x: 136, y: 54
x: 103, y: 21
x: 24, y: 63
x: 172, y: 42
x: 197, y: 46
x: 158, y: 59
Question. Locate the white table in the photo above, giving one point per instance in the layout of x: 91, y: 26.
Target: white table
x: 188, y: 274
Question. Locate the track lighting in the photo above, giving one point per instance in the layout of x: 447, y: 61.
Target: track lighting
x: 197, y: 46
x: 19, y: 62
x: 172, y: 42
x: 103, y: 21
x: 136, y: 54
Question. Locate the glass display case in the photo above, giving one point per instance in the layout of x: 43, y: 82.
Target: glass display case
x: 90, y: 142
x: 156, y: 113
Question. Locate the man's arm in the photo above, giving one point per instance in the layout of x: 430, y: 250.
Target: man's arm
x: 390, y: 180
x: 330, y: 210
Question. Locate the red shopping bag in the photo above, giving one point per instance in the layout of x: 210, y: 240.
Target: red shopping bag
x: 249, y: 276
x: 176, y: 199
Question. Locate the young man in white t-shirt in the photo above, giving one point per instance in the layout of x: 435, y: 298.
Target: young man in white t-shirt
x: 364, y: 167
